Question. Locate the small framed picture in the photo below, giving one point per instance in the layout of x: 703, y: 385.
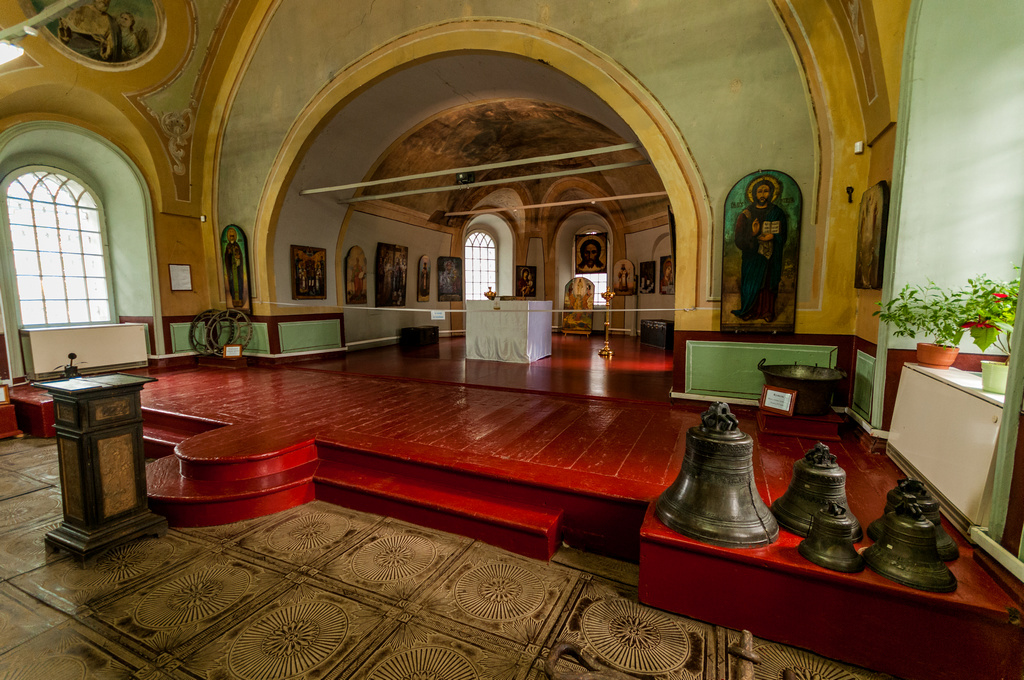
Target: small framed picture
x: 232, y: 351
x: 778, y: 400
x: 5, y: 395
x: 181, y: 276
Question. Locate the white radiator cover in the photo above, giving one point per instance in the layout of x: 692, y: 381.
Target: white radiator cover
x: 107, y: 347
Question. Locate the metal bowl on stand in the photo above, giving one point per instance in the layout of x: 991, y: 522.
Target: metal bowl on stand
x: 813, y: 385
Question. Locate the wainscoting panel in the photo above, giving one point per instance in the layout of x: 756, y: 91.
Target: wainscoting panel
x: 179, y: 337
x: 729, y: 369
x: 863, y: 382
x: 304, y: 336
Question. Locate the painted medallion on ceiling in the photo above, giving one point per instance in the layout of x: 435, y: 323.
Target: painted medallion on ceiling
x: 104, y: 31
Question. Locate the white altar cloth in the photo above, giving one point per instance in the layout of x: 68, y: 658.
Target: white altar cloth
x: 519, y: 332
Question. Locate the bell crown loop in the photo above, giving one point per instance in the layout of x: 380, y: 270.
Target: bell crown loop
x: 820, y: 456
x: 834, y: 509
x: 718, y: 422
x: 912, y: 487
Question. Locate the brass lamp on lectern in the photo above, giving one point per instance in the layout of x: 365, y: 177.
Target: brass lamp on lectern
x: 606, y: 351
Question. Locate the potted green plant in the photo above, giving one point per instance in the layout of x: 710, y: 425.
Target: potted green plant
x: 927, y: 311
x: 991, y: 307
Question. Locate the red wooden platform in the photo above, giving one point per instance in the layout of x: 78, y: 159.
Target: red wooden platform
x: 529, y: 471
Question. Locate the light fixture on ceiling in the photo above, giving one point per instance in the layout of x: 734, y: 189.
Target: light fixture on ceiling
x: 9, y: 37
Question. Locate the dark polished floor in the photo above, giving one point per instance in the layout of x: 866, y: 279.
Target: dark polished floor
x: 635, y: 372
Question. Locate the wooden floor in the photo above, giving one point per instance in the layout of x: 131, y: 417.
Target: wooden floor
x: 636, y: 371
x: 573, y: 444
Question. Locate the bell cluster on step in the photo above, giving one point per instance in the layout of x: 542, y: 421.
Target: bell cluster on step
x: 715, y: 500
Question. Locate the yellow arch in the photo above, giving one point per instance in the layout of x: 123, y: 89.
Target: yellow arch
x: 604, y: 77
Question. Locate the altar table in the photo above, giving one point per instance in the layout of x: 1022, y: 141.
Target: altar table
x: 520, y: 331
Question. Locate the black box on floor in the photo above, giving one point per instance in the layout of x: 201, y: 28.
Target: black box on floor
x: 657, y: 332
x: 416, y: 336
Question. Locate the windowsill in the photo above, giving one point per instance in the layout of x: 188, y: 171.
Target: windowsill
x: 72, y: 327
x: 965, y: 381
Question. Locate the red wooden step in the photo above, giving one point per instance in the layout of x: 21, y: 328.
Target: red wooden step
x: 197, y: 502
x: 34, y: 409
x: 523, y: 529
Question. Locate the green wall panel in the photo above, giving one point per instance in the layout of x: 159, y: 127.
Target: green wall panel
x: 729, y: 369
x: 179, y: 337
x: 304, y: 336
x: 260, y: 341
x: 863, y: 382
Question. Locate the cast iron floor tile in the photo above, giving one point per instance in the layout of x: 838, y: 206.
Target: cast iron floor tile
x: 307, y: 534
x: 395, y: 559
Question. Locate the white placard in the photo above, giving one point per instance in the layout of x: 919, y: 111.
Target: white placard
x: 777, y: 400
x: 437, y: 315
x: 181, y: 276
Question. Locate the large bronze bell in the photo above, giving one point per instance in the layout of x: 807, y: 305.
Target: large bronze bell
x: 829, y: 541
x: 913, y: 490
x: 905, y: 551
x: 714, y: 498
x: 817, y: 480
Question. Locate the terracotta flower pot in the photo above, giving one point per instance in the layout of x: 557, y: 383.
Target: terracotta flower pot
x: 936, y: 356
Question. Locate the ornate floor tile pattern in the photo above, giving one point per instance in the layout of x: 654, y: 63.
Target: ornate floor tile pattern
x: 13, y: 484
x: 320, y: 591
x: 22, y: 617
x: 395, y: 559
x: 71, y: 588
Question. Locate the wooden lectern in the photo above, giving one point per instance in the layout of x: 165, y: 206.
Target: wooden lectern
x: 102, y: 465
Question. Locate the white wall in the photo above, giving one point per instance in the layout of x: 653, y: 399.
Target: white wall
x: 365, y: 322
x: 959, y: 200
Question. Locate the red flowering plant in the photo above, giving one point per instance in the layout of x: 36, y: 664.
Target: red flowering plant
x: 991, y: 307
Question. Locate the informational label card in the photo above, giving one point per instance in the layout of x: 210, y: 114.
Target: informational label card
x: 232, y: 351
x: 436, y: 315
x: 778, y: 400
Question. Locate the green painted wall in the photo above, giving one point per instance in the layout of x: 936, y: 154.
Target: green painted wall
x: 729, y: 369
x: 260, y: 341
x: 304, y: 336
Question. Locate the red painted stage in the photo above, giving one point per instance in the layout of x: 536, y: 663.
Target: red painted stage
x: 529, y: 470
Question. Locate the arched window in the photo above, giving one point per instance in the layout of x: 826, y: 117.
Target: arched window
x: 58, y: 250
x: 481, y: 265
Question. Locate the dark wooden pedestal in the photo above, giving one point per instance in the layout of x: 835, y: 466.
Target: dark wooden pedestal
x: 824, y: 427
x: 102, y: 465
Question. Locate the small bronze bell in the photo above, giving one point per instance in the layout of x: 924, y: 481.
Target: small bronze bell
x: 714, y: 498
x: 906, y: 552
x: 829, y: 541
x: 913, y: 490
x: 817, y: 480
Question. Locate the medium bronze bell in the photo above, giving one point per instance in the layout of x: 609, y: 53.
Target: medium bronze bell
x: 817, y: 480
x: 714, y: 498
x: 829, y: 541
x: 914, y: 490
x: 906, y: 552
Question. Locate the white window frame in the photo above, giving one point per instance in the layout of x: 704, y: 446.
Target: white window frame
x: 466, y: 267
x: 6, y: 248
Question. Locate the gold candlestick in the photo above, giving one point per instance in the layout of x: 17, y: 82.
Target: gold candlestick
x: 606, y: 351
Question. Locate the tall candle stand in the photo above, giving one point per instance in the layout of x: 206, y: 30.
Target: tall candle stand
x: 606, y: 351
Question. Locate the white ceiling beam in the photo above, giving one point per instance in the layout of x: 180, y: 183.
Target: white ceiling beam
x: 492, y: 182
x: 601, y: 199
x: 475, y: 168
